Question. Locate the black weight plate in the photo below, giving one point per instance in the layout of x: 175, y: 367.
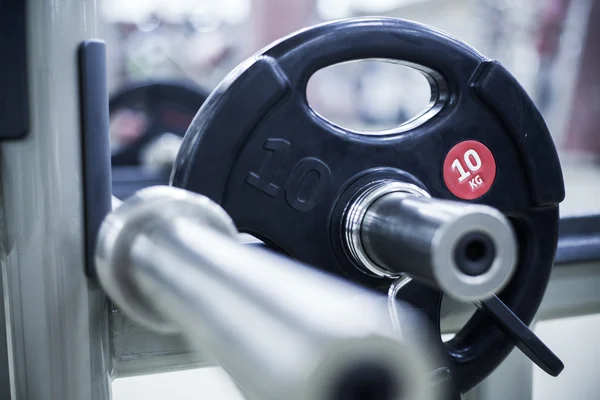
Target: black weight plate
x: 284, y: 174
x: 150, y: 108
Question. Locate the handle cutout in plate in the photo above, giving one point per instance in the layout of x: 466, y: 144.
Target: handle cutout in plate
x: 376, y: 97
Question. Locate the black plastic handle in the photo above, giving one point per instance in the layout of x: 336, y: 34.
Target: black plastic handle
x: 525, y: 340
x: 419, y: 46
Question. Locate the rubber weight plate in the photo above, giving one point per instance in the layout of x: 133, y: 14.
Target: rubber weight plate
x: 284, y: 173
x: 142, y: 111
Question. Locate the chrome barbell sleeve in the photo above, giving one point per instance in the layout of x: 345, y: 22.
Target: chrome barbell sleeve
x: 467, y: 250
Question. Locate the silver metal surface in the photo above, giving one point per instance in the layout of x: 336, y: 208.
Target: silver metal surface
x: 138, y: 351
x: 393, y: 304
x: 116, y: 203
x: 280, y: 329
x: 120, y: 229
x: 5, y: 375
x: 574, y: 290
x: 393, y: 228
x: 355, y: 214
x: 56, y: 319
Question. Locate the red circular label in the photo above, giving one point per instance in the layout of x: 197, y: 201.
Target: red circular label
x: 469, y: 170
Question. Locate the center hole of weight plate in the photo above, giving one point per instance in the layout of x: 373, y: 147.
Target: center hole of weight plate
x: 375, y: 97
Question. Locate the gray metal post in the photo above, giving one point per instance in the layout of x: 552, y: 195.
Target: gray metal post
x: 4, y: 352
x: 56, y: 319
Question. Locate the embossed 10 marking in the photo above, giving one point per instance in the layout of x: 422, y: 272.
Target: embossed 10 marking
x: 306, y: 185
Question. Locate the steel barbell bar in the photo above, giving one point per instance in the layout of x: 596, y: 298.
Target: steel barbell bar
x: 171, y: 260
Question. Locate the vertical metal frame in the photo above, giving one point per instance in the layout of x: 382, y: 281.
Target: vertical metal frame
x: 5, y: 387
x: 56, y: 320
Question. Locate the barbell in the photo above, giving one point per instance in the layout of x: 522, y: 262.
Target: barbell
x: 171, y: 260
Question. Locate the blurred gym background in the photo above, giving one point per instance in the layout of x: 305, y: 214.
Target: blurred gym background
x: 551, y: 46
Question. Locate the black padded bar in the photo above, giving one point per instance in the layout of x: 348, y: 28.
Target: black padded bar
x: 14, y: 97
x: 95, y: 143
x: 578, y: 239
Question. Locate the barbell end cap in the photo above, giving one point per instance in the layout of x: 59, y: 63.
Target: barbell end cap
x: 482, y: 226
x: 126, y: 222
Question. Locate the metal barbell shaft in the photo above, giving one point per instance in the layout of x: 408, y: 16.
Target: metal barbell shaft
x: 170, y: 259
x: 467, y: 250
